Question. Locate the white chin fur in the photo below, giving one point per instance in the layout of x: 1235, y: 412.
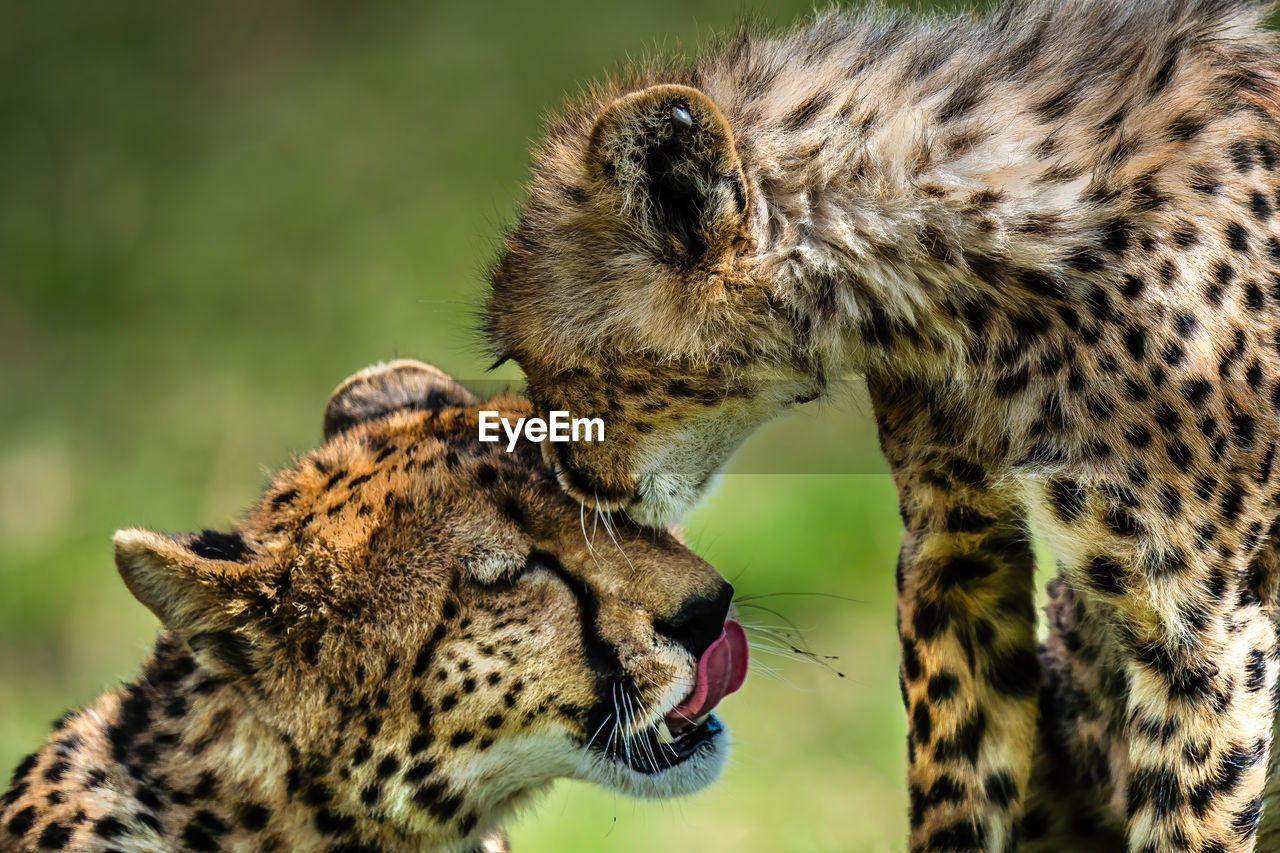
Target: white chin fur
x: 686, y: 778
x: 663, y: 500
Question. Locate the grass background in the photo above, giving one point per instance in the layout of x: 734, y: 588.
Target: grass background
x: 212, y: 213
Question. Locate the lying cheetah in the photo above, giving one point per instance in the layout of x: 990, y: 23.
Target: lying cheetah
x: 1048, y: 237
x: 410, y: 634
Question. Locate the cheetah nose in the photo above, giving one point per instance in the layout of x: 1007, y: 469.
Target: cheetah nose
x: 700, y: 620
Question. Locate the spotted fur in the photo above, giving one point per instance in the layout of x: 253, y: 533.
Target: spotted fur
x: 1049, y: 237
x: 409, y: 635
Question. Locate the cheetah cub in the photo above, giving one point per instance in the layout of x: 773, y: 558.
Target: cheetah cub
x: 410, y: 634
x: 1048, y: 238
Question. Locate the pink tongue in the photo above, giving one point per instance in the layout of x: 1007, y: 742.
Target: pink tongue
x: 721, y: 670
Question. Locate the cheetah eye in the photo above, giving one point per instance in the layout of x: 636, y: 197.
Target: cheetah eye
x: 681, y: 116
x: 806, y: 398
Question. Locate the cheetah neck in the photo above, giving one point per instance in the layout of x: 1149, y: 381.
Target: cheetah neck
x: 178, y: 759
x: 914, y: 186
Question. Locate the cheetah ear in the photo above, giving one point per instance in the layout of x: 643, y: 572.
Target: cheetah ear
x: 195, y: 585
x: 665, y: 156
x: 379, y: 390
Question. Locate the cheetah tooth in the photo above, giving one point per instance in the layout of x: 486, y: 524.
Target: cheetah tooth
x: 664, y: 733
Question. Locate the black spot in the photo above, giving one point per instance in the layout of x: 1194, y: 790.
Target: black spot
x: 1237, y: 237
x: 1135, y: 341
x: 317, y: 794
x: 961, y: 101
x: 1257, y: 669
x: 54, y: 837
x: 942, y: 686
x: 150, y: 821
x: 1012, y: 382
x: 1242, y: 427
x: 930, y: 618
x: 419, y: 771
x: 329, y: 822
x: 148, y: 797
x: 213, y: 545
x: 1157, y: 788
x: 1068, y: 499
x: 961, y: 835
x: 284, y: 497
x: 254, y: 817
x: 1084, y: 260
x: 1105, y: 575
x: 910, y: 661
x: 203, y: 831
x: 1001, y: 788
x: 1115, y: 236
x: 422, y: 662
x: 1170, y: 498
x: 965, y: 743
x: 1242, y: 155
x: 807, y: 111
x: 511, y: 510
x: 946, y: 789
x: 1184, y: 324
x: 1122, y: 522
x: 108, y: 828
x: 1232, y: 499
x: 964, y: 569
x: 1132, y: 287
x: 22, y: 821
x: 1186, y: 127
x: 437, y: 801
x: 1186, y: 235
x: 134, y: 717
x: 922, y: 724
x: 1245, y: 822
x: 1259, y: 205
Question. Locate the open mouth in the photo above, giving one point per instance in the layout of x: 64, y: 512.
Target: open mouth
x: 656, y: 749
x: 689, y: 729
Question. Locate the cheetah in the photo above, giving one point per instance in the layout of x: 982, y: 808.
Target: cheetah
x: 408, y: 636
x: 1047, y: 236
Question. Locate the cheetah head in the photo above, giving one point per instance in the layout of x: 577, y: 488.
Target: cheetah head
x: 436, y: 631
x: 631, y: 289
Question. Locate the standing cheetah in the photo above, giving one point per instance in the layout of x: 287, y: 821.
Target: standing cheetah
x: 1048, y: 237
x: 409, y: 635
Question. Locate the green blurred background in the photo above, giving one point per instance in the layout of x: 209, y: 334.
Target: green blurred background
x: 212, y: 213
